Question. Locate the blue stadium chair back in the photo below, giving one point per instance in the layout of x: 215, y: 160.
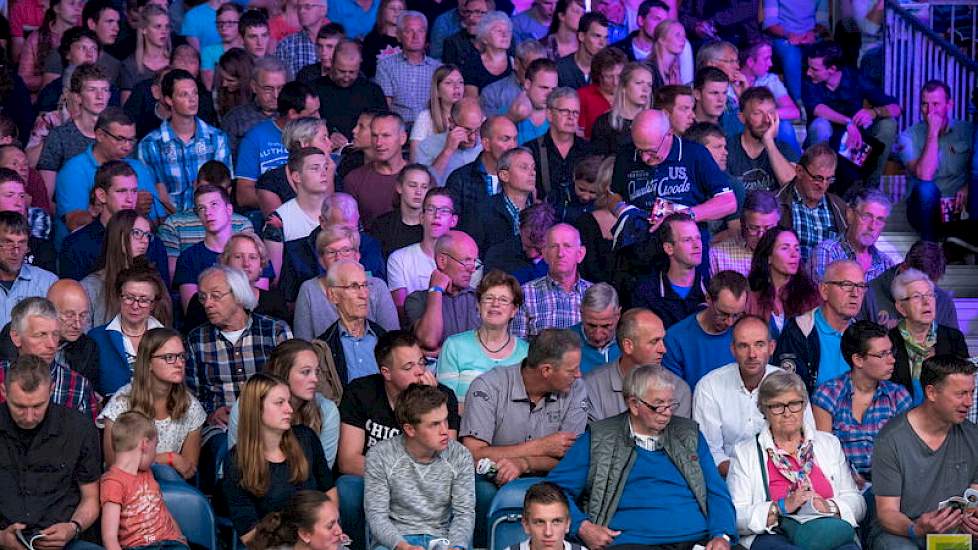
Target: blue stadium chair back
x: 192, y: 512
x: 162, y: 472
x: 506, y: 513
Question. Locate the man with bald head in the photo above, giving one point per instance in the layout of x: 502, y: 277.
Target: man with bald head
x: 478, y: 180
x: 459, y: 145
x: 554, y: 300
x: 810, y: 343
x: 75, y: 349
x: 353, y: 336
x: 345, y: 93
x: 449, y: 306
x: 641, y: 337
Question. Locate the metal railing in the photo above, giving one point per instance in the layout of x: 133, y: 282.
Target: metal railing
x: 915, y: 53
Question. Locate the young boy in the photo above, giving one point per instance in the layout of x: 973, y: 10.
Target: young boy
x: 546, y: 517
x: 133, y: 511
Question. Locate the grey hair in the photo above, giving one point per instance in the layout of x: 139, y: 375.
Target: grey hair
x: 301, y: 130
x: 910, y: 275
x: 31, y: 307
x: 713, y: 50
x: 406, y: 14
x: 237, y: 281
x: 486, y: 23
x: 870, y: 195
x: 344, y: 202
x: 506, y: 159
x: 600, y: 297
x: 558, y: 94
x: 777, y: 383
x: 333, y: 275
x: 267, y: 64
x: 642, y: 378
x: 530, y: 48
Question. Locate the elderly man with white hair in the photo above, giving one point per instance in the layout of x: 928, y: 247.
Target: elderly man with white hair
x: 232, y: 345
x: 918, y: 335
x: 600, y: 312
x: 406, y: 77
x: 353, y: 337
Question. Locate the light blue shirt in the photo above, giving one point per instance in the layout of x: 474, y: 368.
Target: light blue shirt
x: 359, y: 353
x: 201, y: 23
x: 831, y: 364
x: 430, y: 148
x: 526, y: 131
x: 354, y: 19
x: 30, y: 282
x: 260, y: 150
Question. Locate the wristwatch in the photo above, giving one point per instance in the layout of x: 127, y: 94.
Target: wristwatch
x: 436, y: 288
x: 78, y: 529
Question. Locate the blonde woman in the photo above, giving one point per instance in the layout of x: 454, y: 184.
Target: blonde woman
x: 158, y: 391
x: 448, y: 87
x: 669, y: 41
x: 152, y: 49
x: 612, y: 130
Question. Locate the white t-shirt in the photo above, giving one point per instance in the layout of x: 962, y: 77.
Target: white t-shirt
x: 409, y: 268
x: 171, y: 433
x: 773, y: 83
x: 296, y: 224
x: 423, y: 126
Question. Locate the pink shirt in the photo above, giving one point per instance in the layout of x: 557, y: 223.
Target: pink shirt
x: 778, y: 485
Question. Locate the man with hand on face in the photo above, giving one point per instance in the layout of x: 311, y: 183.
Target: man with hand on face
x: 529, y: 109
x: 756, y: 158
x: 459, y: 145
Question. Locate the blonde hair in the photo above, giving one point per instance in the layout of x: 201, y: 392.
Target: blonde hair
x: 334, y: 233
x: 615, y: 117
x: 280, y: 363
x: 148, y: 11
x: 225, y: 255
x: 129, y: 429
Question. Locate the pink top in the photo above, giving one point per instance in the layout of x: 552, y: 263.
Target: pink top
x: 778, y: 485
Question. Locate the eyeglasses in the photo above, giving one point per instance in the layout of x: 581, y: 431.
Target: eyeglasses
x: 120, y: 139
x: 917, y: 297
x: 660, y: 409
x: 138, y: 234
x: 779, y: 408
x: 869, y: 219
x: 849, y: 286
x: 227, y: 24
x: 8, y: 246
x: 818, y: 179
x: 724, y: 316
x: 573, y: 113
x: 474, y: 264
x: 469, y: 132
x: 882, y: 354
x: 438, y: 211
x: 341, y: 253
x: 203, y: 297
x: 642, y: 153
x: 355, y: 287
x: 489, y: 299
x: 143, y: 301
x: 758, y: 229
x: 78, y: 319
x: 171, y: 358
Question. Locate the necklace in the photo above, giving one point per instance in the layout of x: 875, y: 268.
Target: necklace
x: 478, y: 334
x: 132, y: 335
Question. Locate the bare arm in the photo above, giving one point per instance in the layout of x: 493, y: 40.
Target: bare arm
x: 275, y: 250
x: 86, y: 513
x: 787, y: 108
x: 823, y: 419
x: 110, y: 526
x: 925, y: 166
x: 824, y: 111
x: 245, y: 193
x: 48, y: 176
x: 107, y: 453
x: 716, y: 208
x: 784, y: 170
x: 187, y: 291
x: 268, y: 202
x: 349, y: 456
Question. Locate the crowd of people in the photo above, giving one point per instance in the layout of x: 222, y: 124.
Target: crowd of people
x: 353, y: 266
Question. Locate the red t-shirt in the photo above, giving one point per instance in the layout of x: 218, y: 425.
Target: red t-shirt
x: 593, y: 105
x: 779, y: 485
x: 374, y: 192
x: 144, y: 518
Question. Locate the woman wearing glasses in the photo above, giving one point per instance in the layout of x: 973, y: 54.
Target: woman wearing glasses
x: 127, y: 237
x: 298, y: 362
x: 789, y: 466
x: 918, y: 335
x: 856, y: 405
x: 466, y: 355
x: 144, y: 304
x: 157, y: 390
x: 314, y: 313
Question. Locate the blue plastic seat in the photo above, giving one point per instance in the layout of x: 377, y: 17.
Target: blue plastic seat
x: 506, y: 513
x: 162, y: 472
x: 192, y: 512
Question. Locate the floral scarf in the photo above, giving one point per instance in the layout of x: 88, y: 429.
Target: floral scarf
x: 800, y: 478
x: 918, y: 352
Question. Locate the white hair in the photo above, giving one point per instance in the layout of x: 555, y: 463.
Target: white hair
x: 237, y: 281
x: 909, y: 276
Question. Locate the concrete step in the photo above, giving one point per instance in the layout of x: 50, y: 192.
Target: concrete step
x: 968, y: 321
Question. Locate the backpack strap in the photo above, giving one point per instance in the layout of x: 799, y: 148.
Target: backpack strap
x: 544, y: 164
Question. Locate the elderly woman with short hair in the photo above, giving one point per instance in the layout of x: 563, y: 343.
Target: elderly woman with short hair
x: 273, y: 187
x: 493, y: 37
x: 314, y: 313
x: 918, y: 335
x: 789, y: 466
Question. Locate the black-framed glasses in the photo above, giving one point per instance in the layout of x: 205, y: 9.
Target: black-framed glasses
x: 655, y: 151
x: 659, y: 409
x: 779, y: 408
x: 818, y: 179
x: 143, y: 301
x: 355, y: 287
x: 574, y: 113
x: 882, y: 355
x: 171, y: 358
x: 120, y: 139
x: 474, y: 264
x: 849, y: 286
x: 438, y: 211
x: 344, y: 252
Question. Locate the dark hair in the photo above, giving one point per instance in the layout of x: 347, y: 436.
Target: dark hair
x: 545, y: 492
x: 6, y: 174
x: 934, y: 85
x: 393, y: 116
x: 752, y: 49
x: 206, y: 188
x: 855, y: 339
x: 755, y: 93
x: 798, y: 295
x: 109, y: 170
x: 29, y: 371
x: 499, y: 278
x: 73, y: 35
x: 605, y: 59
x: 539, y: 65
x: 391, y: 340
x: 761, y: 201
x: 591, y: 18
x: 170, y: 80
x: 938, y: 368
x: 645, y: 7
x: 699, y: 131
x: 214, y: 172
x: 13, y: 223
x: 536, y: 220
x: 586, y: 168
x: 7, y: 126
x: 331, y: 30
x: 232, y: 7
x: 439, y: 192
x: 927, y: 257
x: 142, y: 271
x: 297, y: 157
x: 665, y: 96
x: 416, y: 400
x: 112, y: 115
x: 550, y: 346
x: 666, y: 231
x: 281, y: 528
x: 561, y: 8
x: 293, y: 97
x: 84, y: 73
x: 727, y: 280
x: 829, y: 52
x: 709, y: 74
x: 252, y: 18
x: 93, y: 11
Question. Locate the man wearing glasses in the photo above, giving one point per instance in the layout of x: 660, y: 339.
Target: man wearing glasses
x: 559, y: 149
x: 456, y: 147
x: 866, y: 217
x: 610, y: 471
x: 810, y: 344
x: 807, y: 207
x: 641, y: 337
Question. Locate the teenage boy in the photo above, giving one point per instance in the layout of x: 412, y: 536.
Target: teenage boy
x: 546, y: 518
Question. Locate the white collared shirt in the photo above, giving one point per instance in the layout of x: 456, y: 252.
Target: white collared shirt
x: 116, y: 325
x: 647, y: 442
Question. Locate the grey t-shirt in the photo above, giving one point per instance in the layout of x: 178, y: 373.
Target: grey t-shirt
x: 62, y: 143
x: 605, y: 399
x: 459, y: 313
x: 904, y: 466
x: 756, y: 173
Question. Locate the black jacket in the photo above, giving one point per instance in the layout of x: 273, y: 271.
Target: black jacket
x: 625, y: 45
x: 332, y: 338
x: 949, y: 341
x: 798, y: 348
x: 342, y: 106
x: 494, y: 225
x: 655, y: 292
x: 469, y: 190
x: 82, y: 355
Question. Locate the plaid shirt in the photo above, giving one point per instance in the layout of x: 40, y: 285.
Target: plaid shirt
x: 812, y: 225
x: 69, y: 388
x: 175, y: 164
x: 218, y: 369
x: 408, y: 85
x: 731, y: 254
x: 835, y: 397
x: 547, y: 305
x: 297, y: 50
x: 839, y: 248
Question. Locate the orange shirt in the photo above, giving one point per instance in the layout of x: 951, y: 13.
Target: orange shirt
x: 145, y: 518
